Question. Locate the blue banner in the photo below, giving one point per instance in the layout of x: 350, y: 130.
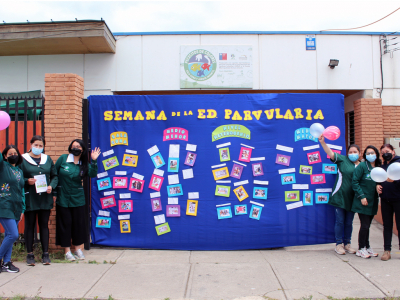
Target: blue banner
x: 264, y: 137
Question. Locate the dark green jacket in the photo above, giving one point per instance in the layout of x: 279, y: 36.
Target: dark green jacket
x: 70, y: 190
x: 12, y: 194
x: 364, y: 187
x: 343, y: 194
x: 34, y: 200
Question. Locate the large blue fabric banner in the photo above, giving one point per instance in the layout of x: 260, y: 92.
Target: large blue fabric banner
x: 249, y: 174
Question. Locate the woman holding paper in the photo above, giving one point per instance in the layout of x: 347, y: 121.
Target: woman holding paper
x: 70, y: 219
x: 40, y: 179
x: 12, y: 203
x: 366, y: 199
x: 343, y: 195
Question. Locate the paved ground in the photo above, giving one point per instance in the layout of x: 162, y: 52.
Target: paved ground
x: 287, y: 273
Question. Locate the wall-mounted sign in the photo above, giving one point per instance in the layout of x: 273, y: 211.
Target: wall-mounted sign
x: 214, y: 67
x: 310, y: 42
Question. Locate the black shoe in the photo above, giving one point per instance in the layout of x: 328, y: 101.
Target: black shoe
x: 46, y: 259
x: 9, y: 267
x: 30, y: 260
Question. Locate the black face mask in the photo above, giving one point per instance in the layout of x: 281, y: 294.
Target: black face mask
x: 76, y: 151
x: 13, y: 159
x: 387, y: 156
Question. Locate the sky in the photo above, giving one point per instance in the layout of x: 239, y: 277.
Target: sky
x: 155, y: 16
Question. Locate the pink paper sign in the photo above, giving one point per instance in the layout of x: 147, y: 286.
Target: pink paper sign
x: 175, y: 133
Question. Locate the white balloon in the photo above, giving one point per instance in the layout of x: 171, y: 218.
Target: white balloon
x: 378, y: 174
x: 316, y: 129
x: 394, y: 171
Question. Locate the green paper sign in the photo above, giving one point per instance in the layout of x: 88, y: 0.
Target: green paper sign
x: 233, y: 130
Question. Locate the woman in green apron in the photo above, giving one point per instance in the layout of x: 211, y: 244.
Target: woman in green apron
x: 343, y: 195
x: 40, y: 179
x: 366, y: 199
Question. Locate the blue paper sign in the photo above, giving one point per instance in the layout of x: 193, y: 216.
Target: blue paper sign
x: 310, y: 42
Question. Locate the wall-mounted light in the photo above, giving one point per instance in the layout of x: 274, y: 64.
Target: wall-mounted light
x: 333, y: 63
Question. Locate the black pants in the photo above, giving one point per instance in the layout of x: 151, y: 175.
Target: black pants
x: 70, y: 224
x: 363, y: 235
x: 43, y: 216
x: 388, y: 208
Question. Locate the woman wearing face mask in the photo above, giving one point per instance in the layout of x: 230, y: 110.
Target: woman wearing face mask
x: 343, y: 195
x: 70, y: 208
x: 39, y: 204
x: 366, y: 199
x: 12, y: 203
x: 390, y: 200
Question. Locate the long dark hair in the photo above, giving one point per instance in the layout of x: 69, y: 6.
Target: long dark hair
x: 37, y: 138
x: 6, y: 149
x: 83, y: 159
x: 378, y: 162
x: 354, y: 146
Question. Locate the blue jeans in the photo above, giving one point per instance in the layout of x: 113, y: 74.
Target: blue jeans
x: 10, y: 236
x: 343, y: 226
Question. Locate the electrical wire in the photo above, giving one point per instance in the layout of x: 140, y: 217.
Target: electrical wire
x: 364, y: 25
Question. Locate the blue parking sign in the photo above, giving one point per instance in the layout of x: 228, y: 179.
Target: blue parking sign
x: 310, y: 42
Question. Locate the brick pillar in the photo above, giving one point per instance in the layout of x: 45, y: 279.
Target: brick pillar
x: 368, y: 123
x: 63, y: 121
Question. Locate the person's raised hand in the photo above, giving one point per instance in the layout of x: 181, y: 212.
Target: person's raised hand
x: 95, y: 153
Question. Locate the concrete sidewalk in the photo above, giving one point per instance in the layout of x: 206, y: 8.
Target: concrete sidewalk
x: 287, y: 273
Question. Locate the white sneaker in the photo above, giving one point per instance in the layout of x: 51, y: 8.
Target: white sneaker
x: 371, y: 252
x: 340, y: 249
x: 79, y: 254
x: 349, y: 250
x: 363, y: 253
x: 69, y: 256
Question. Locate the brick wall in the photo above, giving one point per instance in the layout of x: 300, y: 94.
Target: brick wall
x: 63, y: 121
x: 391, y: 118
x: 368, y: 123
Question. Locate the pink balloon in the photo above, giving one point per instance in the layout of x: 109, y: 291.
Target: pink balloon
x: 5, y: 120
x: 331, y: 133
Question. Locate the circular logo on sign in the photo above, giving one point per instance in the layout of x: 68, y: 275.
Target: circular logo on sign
x: 200, y: 65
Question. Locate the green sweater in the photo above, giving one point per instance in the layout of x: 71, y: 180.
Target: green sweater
x: 12, y: 194
x: 34, y: 200
x: 364, y: 187
x: 70, y: 190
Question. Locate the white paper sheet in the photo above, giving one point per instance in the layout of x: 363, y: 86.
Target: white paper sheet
x: 334, y: 147
x: 107, y: 153
x: 173, y: 200
x: 284, y: 148
x: 311, y: 147
x: 329, y: 190
x: 159, y: 219
x: 261, y: 182
x: 217, y: 166
x: 104, y: 213
x: 153, y: 150
x: 125, y: 196
x: 101, y: 175
x: 241, y: 182
x: 120, y: 172
x: 223, y: 181
x: 193, y: 195
x: 256, y: 203
x: 138, y: 176
x: 131, y: 151
x: 190, y: 147
x: 257, y: 158
x: 247, y: 146
x: 297, y: 186
x: 174, y: 150
x: 187, y: 173
x: 155, y: 195
x: 226, y: 204
x: 239, y: 163
x: 284, y: 171
x: 294, y: 205
x: 223, y: 145
x: 124, y: 217
x: 173, y: 179
x: 41, y: 183
x: 108, y: 193
x: 158, y: 172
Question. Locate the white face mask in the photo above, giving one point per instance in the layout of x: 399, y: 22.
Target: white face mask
x: 37, y: 151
